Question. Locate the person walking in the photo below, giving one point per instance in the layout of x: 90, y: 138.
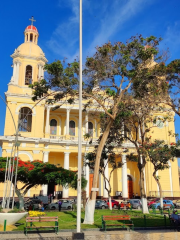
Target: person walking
x: 59, y: 203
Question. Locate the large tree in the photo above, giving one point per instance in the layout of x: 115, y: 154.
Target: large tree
x: 136, y: 120
x: 108, y: 159
x: 159, y: 154
x: 32, y: 174
x: 113, y: 70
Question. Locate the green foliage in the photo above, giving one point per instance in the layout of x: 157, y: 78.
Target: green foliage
x: 38, y: 173
x: 75, y: 182
x: 16, y: 210
x: 110, y: 92
x: 107, y: 153
x: 159, y: 153
x: 62, y: 80
x: 87, y: 135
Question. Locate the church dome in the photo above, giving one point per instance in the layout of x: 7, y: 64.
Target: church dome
x: 30, y: 49
x: 31, y: 28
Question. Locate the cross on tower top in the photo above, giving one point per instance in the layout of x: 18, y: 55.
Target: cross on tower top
x: 32, y: 20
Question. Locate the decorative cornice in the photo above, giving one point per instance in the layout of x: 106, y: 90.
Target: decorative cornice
x: 36, y: 151
x: 8, y: 150
x: 39, y: 58
x: 48, y: 142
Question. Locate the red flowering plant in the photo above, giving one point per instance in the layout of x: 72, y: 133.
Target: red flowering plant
x: 35, y: 173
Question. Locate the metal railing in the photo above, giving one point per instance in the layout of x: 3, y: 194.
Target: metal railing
x: 164, y: 193
x: 57, y: 137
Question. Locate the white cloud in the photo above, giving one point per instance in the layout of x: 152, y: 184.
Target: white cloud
x: 111, y: 16
x: 171, y: 38
x: 65, y: 35
x: 114, y: 19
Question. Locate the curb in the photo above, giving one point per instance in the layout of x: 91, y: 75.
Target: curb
x: 100, y: 230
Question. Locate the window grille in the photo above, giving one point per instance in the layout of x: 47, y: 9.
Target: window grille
x: 25, y: 118
x: 72, y: 128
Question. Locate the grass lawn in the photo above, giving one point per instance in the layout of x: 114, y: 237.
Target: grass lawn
x: 67, y: 220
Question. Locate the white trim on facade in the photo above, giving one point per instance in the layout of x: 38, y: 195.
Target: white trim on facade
x: 26, y: 153
x: 57, y: 118
x: 25, y: 105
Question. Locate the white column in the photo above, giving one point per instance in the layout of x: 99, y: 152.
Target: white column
x: 122, y: 129
x: 87, y: 178
x: 86, y: 123
x: 17, y: 73
x: 47, y: 120
x: 100, y: 194
x: 29, y: 193
x: 66, y: 166
x: 42, y: 72
x: 95, y: 128
x: 14, y: 71
x: 45, y: 187
x: 139, y: 132
x: 124, y: 177
x: 67, y: 121
x: 170, y: 178
x: 39, y: 71
x: 106, y: 173
x: 144, y: 175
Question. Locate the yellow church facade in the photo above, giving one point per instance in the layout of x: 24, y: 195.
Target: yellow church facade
x: 52, y: 136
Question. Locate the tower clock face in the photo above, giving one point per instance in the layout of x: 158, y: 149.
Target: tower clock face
x: 160, y: 123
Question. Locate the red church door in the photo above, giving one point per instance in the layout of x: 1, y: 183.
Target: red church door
x: 130, y: 187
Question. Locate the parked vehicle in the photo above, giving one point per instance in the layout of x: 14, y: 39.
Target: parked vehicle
x: 32, y: 202
x: 176, y: 203
x: 166, y: 204
x: 153, y: 201
x: 43, y: 199
x: 66, y: 204
x: 101, y: 204
x: 115, y: 204
x: 136, y: 203
x: 75, y: 202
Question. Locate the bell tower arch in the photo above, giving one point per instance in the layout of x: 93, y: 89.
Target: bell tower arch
x: 28, y: 62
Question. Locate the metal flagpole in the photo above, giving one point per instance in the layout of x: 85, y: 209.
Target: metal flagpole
x: 80, y: 123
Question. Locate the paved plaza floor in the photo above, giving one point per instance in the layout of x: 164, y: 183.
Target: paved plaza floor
x: 92, y: 235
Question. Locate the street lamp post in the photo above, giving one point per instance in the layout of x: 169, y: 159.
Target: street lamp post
x: 78, y: 234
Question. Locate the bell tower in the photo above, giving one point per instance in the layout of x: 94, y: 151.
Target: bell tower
x: 31, y: 33
x: 28, y: 62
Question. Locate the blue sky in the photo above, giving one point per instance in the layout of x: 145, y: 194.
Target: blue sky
x: 103, y: 20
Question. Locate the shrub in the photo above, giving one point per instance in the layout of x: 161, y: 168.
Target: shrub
x: 36, y: 214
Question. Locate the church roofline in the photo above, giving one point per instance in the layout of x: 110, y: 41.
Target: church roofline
x: 40, y: 58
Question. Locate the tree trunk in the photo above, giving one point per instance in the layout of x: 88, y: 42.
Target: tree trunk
x: 143, y: 193
x: 21, y: 199
x: 160, y: 189
x: 110, y: 203
x: 90, y: 205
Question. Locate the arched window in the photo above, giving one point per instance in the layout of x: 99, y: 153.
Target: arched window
x: 72, y: 128
x: 90, y: 128
x: 53, y: 127
x: 28, y: 75
x: 129, y: 178
x: 25, y: 119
